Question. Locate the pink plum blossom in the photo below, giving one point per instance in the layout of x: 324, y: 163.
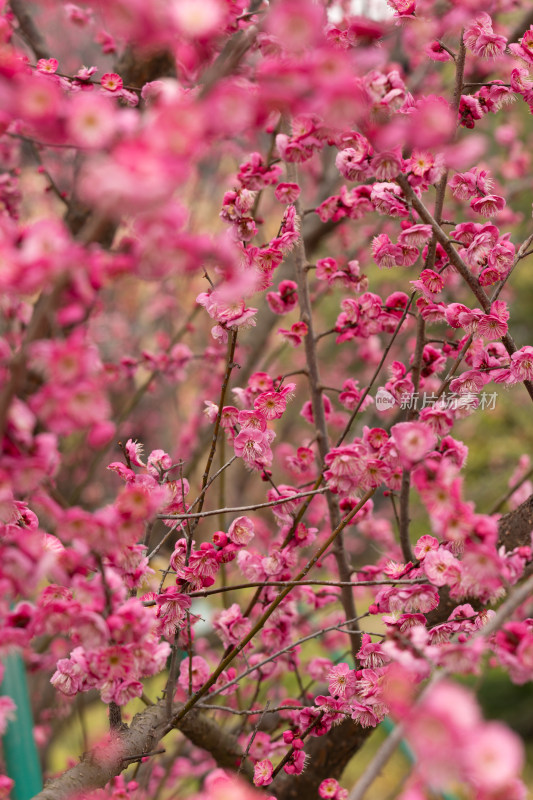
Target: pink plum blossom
x: 414, y: 440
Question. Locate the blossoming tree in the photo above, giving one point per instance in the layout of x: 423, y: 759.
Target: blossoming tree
x: 231, y: 488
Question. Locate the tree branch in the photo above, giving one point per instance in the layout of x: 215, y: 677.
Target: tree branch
x: 457, y: 262
x: 300, y: 262
x: 101, y: 764
x: 28, y: 30
x: 330, y: 754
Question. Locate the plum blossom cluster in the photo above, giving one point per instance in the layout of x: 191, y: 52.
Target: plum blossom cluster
x: 113, y: 654
x: 369, y: 314
x: 378, y: 457
x: 248, y: 429
x: 486, y: 756
x: 322, y: 154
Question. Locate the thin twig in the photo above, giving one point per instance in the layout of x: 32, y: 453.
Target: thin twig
x: 522, y: 253
x: 140, y: 756
x: 319, y: 416
x: 353, y: 415
x: 251, y: 739
x: 238, y: 509
x: 286, y: 649
x: 163, y: 540
x: 248, y: 712
x: 458, y: 263
x: 28, y: 29
x: 333, y: 584
x: 411, y: 414
x: 210, y: 481
x: 225, y: 662
x: 230, y: 364
x: 508, y: 607
x: 496, y: 507
x: 288, y: 755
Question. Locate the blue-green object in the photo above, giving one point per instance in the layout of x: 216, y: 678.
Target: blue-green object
x: 20, y: 752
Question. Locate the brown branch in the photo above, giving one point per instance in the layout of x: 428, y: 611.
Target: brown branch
x: 28, y: 29
x: 100, y: 765
x: 330, y: 754
x: 319, y: 416
x: 232, y: 343
x: 458, y: 263
x: 98, y: 768
x: 411, y: 414
x: 226, y: 661
x: 521, y: 27
x: 515, y: 599
x: 515, y: 528
x: 87, y: 226
x: 238, y: 509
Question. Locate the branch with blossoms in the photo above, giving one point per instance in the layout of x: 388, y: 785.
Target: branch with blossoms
x: 260, y: 285
x: 427, y: 703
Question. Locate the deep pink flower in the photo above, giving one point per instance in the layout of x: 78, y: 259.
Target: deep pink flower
x: 424, y: 546
x: 402, y: 8
x: 470, y: 110
x: 196, y: 671
x: 365, y: 716
x: 328, y: 789
x: 48, y: 66
x: 341, y: 680
x: 488, y: 206
x: 287, y: 192
x: 386, y: 165
x: 295, y: 335
x: 172, y: 608
x: 524, y: 49
x: 371, y: 654
x: 480, y: 38
x: 386, y: 199
x: 522, y: 363
x: 111, y: 82
x: 231, y: 625
x: 352, y: 164
x: 326, y: 268
x: 436, y: 52
x: 296, y: 763
x: 414, y: 440
x: 416, y: 235
x: 253, y: 446
x: 345, y: 468
x: 464, y: 185
x: 494, y: 757
x: 273, y: 404
x: 241, y: 531
x: 438, y: 566
x: 386, y: 253
x: 263, y: 773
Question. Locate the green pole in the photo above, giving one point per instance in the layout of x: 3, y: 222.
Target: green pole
x: 20, y: 751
